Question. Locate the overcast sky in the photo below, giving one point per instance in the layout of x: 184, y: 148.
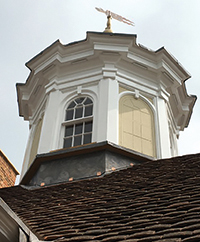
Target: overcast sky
x: 27, y: 27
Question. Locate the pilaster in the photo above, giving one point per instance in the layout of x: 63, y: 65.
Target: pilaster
x: 163, y: 128
x: 49, y: 129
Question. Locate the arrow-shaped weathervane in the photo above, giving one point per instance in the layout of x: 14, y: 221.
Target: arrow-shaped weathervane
x: 110, y: 15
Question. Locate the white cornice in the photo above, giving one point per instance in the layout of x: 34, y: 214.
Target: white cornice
x: 114, y: 56
x: 63, y: 59
x: 142, y: 60
x: 110, y: 47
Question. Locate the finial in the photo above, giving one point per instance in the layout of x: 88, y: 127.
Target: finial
x: 108, y: 27
x: 111, y: 15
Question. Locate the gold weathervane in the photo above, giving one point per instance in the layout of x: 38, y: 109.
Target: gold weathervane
x: 111, y: 15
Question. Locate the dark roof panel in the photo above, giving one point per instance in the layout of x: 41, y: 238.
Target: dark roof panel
x: 154, y: 201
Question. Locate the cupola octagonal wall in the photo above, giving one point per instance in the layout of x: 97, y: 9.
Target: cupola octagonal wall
x: 104, y: 88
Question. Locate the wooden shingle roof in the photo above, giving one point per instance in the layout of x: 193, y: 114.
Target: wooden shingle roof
x: 154, y: 201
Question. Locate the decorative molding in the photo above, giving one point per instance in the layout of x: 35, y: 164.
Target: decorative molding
x: 52, y: 86
x: 79, y: 90
x: 137, y: 94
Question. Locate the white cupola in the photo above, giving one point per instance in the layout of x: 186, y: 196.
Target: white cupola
x: 104, y: 88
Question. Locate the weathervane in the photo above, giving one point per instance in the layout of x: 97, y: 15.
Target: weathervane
x: 111, y: 15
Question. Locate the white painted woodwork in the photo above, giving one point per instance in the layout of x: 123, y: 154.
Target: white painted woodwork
x: 104, y: 67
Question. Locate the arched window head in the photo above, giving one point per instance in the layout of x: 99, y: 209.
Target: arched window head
x: 78, y: 122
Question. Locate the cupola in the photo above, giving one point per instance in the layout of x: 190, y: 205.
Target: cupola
x: 104, y: 88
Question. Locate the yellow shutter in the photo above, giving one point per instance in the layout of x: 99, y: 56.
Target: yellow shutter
x: 136, y: 125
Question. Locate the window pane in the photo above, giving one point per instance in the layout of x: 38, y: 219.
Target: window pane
x: 72, y: 105
x: 79, y: 128
x: 69, y: 114
x: 87, y: 101
x: 87, y: 138
x: 79, y: 113
x: 69, y: 130
x: 88, y: 110
x: 88, y: 127
x: 77, y: 140
x: 67, y: 142
x: 79, y: 100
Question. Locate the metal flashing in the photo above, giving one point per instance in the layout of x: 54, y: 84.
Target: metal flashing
x: 88, y: 159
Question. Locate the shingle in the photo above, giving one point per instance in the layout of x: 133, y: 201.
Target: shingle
x: 192, y: 227
x: 114, y: 238
x: 143, y: 234
x: 158, y: 227
x: 178, y: 234
x: 130, y: 240
x: 197, y: 231
x: 150, y: 239
x: 96, y: 231
x: 169, y: 240
x: 186, y: 223
x: 195, y: 238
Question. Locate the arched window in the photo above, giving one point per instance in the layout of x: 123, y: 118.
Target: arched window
x: 78, y: 122
x: 136, y: 125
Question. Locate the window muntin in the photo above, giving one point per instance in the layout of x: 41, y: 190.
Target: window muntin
x: 78, y: 122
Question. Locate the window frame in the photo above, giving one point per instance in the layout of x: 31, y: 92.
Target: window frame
x: 73, y: 122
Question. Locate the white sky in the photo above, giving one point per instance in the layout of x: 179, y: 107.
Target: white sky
x: 27, y: 27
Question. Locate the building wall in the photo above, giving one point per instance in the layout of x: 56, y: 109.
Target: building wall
x: 7, y: 172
